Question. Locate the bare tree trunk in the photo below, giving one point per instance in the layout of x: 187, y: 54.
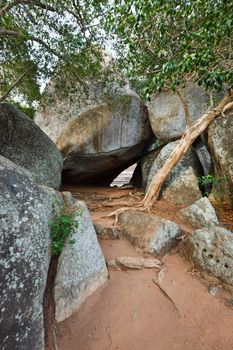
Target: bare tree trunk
x: 183, y: 146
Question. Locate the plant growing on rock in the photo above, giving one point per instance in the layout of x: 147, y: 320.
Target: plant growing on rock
x: 216, y: 181
x: 62, y: 227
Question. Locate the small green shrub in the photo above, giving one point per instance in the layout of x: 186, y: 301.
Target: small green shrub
x: 62, y: 226
x: 219, y: 183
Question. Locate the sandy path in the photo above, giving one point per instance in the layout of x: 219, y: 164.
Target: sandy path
x: 130, y: 312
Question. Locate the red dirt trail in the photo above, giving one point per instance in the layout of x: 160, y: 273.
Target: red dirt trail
x: 130, y: 312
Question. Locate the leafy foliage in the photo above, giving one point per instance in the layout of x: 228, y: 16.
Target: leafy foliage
x: 218, y: 182
x: 29, y: 111
x: 166, y: 43
x: 160, y: 44
x: 61, y: 231
x: 39, y: 34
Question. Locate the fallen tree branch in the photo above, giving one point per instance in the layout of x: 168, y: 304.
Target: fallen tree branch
x: 186, y: 141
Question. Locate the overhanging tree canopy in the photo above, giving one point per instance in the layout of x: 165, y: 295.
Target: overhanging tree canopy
x: 165, y: 43
x: 36, y: 35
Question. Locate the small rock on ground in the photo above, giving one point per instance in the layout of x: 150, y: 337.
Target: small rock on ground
x: 153, y: 234
x: 200, y: 214
x: 134, y: 262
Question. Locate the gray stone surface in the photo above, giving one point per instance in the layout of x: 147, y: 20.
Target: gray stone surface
x: 81, y: 267
x: 200, y: 214
x: 137, y: 263
x: 166, y: 111
x: 221, y: 148
x: 107, y: 231
x: 25, y: 144
x: 141, y: 173
x: 203, y: 156
x: 153, y: 234
x: 25, y: 213
x: 212, y: 250
x: 181, y: 185
x: 100, y: 132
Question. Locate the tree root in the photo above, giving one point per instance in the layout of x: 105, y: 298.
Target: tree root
x: 116, y: 204
x: 117, y: 212
x: 137, y: 207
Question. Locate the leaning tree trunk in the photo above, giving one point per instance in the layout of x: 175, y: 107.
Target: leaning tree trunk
x: 186, y: 141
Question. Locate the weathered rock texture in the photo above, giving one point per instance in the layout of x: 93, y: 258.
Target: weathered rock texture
x: 81, y: 267
x: 166, y: 111
x: 141, y: 172
x: 203, y: 155
x: 137, y: 263
x: 200, y: 214
x: 25, y: 212
x: 153, y: 234
x: 181, y: 186
x: 212, y: 250
x: 99, y: 131
x: 221, y: 147
x: 22, y: 141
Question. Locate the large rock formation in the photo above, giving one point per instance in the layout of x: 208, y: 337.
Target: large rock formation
x: 22, y: 141
x: 153, y: 234
x: 81, y: 266
x: 166, y: 111
x: 221, y: 147
x: 99, y: 131
x: 181, y: 185
x: 25, y: 213
x: 212, y: 250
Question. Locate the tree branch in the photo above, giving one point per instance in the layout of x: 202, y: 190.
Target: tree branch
x: 3, y: 75
x: 8, y: 7
x: 18, y: 80
x: 12, y: 33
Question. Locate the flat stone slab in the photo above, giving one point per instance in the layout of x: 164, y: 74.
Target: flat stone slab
x: 136, y: 263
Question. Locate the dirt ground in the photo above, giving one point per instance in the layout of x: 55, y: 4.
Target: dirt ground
x: 130, y: 311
